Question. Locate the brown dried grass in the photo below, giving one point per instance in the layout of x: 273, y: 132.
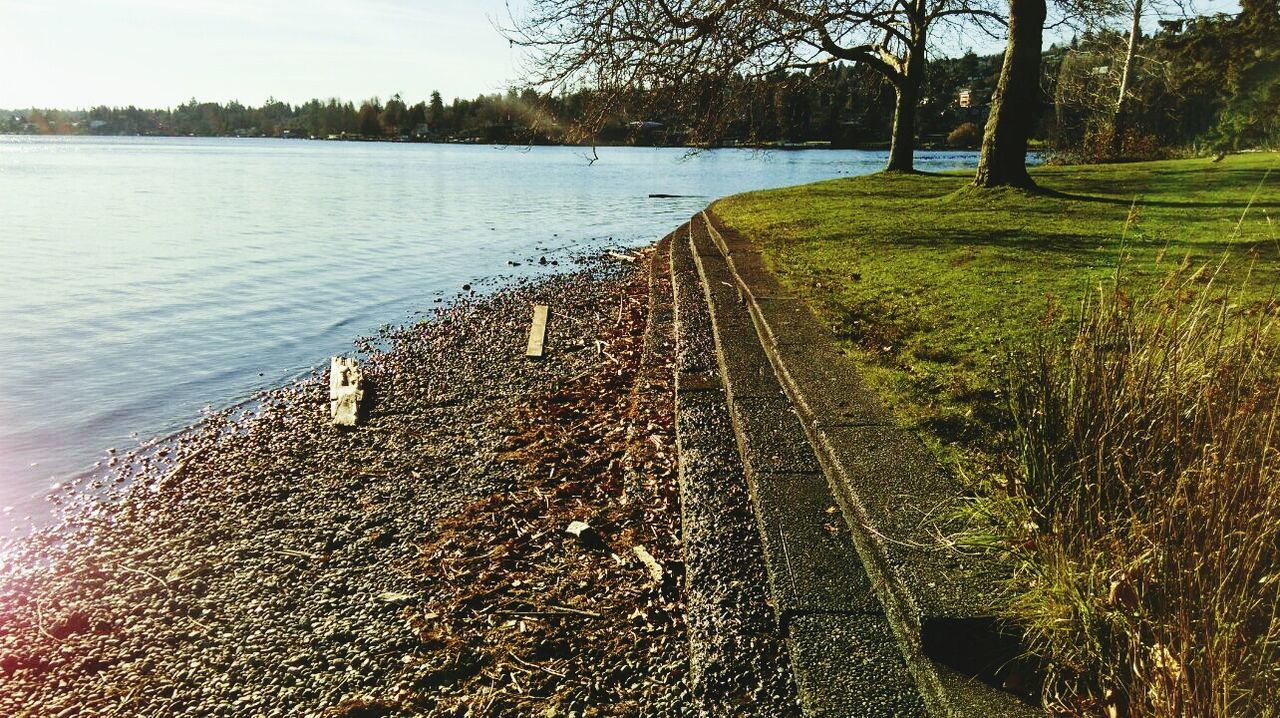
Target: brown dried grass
x: 1143, y: 509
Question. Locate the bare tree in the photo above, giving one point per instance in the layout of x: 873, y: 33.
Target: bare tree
x: 1121, y: 118
x: 686, y: 52
x: 1003, y: 159
x: 1126, y: 75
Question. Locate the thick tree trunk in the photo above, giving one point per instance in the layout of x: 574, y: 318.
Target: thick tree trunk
x: 1016, y: 101
x: 902, y: 145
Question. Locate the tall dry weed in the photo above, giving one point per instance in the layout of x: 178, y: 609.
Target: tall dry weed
x: 1144, y: 508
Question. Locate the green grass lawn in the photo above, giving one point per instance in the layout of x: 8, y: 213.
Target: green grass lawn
x: 930, y: 283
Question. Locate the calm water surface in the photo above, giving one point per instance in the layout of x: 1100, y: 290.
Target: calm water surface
x: 148, y: 278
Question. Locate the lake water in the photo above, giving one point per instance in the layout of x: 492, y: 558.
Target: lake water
x: 150, y: 277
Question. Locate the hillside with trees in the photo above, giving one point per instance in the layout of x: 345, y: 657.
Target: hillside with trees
x: 1207, y: 83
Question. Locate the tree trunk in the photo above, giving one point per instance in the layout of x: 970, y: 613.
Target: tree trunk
x: 1120, y: 122
x: 1015, y: 103
x: 902, y: 146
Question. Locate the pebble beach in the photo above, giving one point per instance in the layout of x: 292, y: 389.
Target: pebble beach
x: 267, y: 563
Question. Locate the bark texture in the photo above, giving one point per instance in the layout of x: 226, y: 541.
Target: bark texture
x: 907, y: 85
x: 902, y: 143
x: 1015, y: 104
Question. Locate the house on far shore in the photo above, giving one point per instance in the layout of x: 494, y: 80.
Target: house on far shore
x: 972, y: 104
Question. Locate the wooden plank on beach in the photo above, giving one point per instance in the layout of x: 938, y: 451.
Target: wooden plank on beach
x: 537, y: 332
x: 345, y: 391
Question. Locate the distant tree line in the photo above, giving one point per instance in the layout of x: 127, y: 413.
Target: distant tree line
x: 843, y: 105
x: 1208, y: 82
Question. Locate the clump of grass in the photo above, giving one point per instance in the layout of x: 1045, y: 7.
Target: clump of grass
x: 1143, y: 509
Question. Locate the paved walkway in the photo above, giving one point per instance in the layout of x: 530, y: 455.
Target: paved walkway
x: 882, y: 616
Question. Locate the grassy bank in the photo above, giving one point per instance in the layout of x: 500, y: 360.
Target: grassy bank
x: 929, y: 283
x: 1102, y: 364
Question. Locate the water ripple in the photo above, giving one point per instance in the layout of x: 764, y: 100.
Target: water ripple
x: 149, y: 277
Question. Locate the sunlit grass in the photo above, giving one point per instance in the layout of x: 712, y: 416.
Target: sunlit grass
x: 928, y: 282
x: 1102, y: 365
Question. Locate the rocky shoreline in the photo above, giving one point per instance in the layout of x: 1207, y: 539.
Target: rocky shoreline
x: 269, y: 564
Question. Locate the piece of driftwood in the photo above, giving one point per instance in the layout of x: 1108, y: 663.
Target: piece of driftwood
x: 650, y: 563
x: 345, y: 392
x: 537, y: 332
x: 397, y: 598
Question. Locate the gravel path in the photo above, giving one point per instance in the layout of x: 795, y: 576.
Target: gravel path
x: 272, y: 565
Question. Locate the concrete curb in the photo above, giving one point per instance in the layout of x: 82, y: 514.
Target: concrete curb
x: 842, y: 649
x: 738, y: 658
x: 810, y: 432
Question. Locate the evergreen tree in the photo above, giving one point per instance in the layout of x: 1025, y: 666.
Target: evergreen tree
x: 417, y: 116
x: 435, y: 114
x: 394, y: 116
x: 1251, y: 115
x: 370, y: 120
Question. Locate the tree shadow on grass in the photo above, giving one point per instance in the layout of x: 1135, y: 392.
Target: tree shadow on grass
x: 1127, y: 192
x: 1029, y: 238
x: 1088, y: 248
x: 1137, y: 199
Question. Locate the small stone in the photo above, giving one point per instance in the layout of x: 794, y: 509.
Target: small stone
x: 586, y: 535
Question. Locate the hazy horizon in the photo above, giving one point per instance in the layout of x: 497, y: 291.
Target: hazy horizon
x: 78, y: 54
x: 148, y: 53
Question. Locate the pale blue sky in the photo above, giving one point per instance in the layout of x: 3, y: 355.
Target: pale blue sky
x: 158, y: 53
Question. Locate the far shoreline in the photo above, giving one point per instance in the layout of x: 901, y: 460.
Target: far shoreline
x: 939, y: 145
